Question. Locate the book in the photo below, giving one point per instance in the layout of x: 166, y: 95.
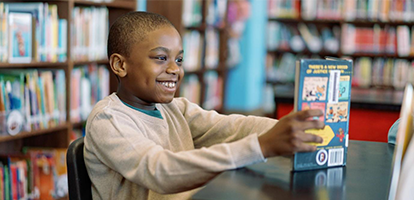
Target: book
x: 36, y: 9
x: 4, y: 11
x: 403, y: 138
x: 21, y: 33
x: 326, y: 85
x: 13, y: 94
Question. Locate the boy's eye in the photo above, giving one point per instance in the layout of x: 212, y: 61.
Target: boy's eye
x: 179, y: 60
x: 163, y: 58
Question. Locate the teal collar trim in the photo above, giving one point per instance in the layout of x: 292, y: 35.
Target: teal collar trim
x: 155, y: 113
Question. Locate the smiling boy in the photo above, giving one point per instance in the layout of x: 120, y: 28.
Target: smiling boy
x: 142, y: 143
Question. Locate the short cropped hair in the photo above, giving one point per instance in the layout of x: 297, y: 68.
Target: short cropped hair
x: 132, y: 28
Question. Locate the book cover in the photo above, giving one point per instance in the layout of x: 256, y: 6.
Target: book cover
x: 12, y: 86
x: 36, y: 9
x: 326, y: 85
x: 4, y: 11
x: 21, y: 33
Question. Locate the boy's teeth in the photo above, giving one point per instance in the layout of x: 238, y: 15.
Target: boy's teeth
x: 168, y: 84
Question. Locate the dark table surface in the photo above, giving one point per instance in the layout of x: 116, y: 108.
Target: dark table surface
x: 366, y: 176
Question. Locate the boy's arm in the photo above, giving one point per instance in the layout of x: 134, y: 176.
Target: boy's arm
x: 126, y: 150
x: 209, y: 127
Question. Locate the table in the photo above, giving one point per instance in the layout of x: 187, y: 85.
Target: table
x: 366, y: 176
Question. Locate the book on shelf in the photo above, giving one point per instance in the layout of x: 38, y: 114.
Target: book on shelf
x: 31, y: 100
x: 4, y: 32
x: 192, y: 13
x: 37, y: 11
x: 89, y: 33
x: 89, y: 84
x: 211, y: 58
x: 192, y: 43
x: 402, y: 175
x: 216, y: 12
x: 325, y: 85
x: 284, y: 9
x: 213, y: 91
x: 48, y: 172
x: 190, y: 88
x: 20, y: 40
x: 48, y: 30
x: 12, y: 117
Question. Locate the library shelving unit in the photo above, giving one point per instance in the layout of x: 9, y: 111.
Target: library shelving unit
x: 376, y: 35
x: 205, y: 47
x: 59, y: 136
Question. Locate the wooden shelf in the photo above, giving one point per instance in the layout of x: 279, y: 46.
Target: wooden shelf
x: 339, y: 54
x: 337, y: 22
x: 203, y: 27
x: 295, y: 21
x: 78, y: 125
x: 305, y: 52
x: 21, y: 135
x: 34, y: 65
x: 384, y: 55
x: 122, y: 4
x: 100, y: 62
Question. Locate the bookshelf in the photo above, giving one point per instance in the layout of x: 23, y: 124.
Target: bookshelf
x: 377, y: 35
x: 79, y: 28
x: 204, y: 32
x: 65, y: 9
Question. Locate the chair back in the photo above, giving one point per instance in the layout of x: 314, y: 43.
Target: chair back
x: 78, y: 178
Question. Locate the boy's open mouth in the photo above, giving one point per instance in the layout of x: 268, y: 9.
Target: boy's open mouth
x: 168, y: 84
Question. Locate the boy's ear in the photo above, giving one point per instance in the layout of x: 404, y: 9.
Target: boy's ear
x: 118, y: 66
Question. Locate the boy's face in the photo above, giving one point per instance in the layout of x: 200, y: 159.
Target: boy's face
x: 154, y: 69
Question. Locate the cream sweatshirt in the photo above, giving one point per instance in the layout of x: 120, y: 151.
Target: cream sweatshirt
x: 132, y: 155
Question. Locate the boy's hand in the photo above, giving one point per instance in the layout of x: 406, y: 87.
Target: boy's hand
x: 288, y: 136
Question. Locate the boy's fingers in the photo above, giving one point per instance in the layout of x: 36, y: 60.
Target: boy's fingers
x: 305, y: 114
x: 307, y: 137
x: 313, y: 124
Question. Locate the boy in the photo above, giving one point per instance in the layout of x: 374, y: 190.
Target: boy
x: 142, y: 143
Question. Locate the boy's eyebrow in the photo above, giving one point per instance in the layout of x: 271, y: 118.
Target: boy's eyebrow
x: 165, y: 50
x: 160, y: 49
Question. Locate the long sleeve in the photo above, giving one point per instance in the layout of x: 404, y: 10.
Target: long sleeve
x: 209, y: 127
x: 129, y: 152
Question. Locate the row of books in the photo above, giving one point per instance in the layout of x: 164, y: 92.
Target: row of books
x: 89, y: 33
x: 192, y: 15
x: 388, y: 40
x: 191, y: 89
x: 300, y: 37
x: 348, y: 10
x: 39, y: 173
x: 193, y: 43
x: 31, y: 100
x: 381, y: 72
x: 213, y: 91
x: 368, y: 72
x: 32, y: 32
x: 89, y: 84
x: 216, y: 12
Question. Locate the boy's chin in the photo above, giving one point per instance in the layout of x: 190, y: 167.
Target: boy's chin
x: 166, y: 100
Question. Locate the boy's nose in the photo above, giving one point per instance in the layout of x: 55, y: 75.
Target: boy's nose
x: 173, y: 69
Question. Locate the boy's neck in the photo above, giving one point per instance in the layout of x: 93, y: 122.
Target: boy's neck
x: 135, y: 101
